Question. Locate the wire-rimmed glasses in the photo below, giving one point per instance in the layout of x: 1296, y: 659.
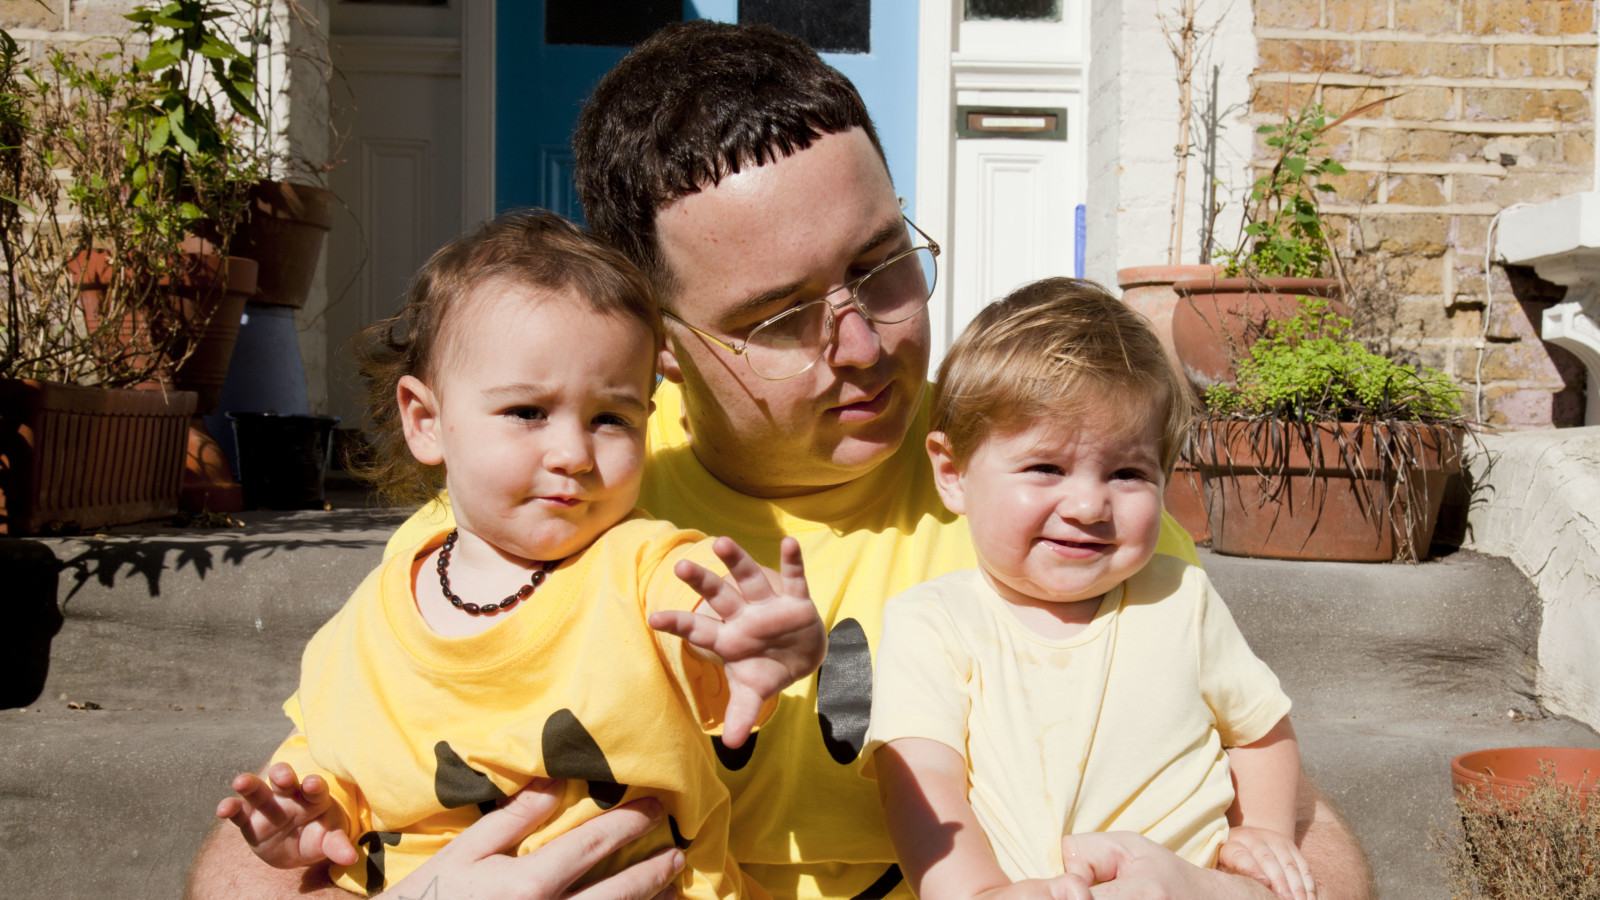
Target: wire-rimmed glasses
x: 791, y: 342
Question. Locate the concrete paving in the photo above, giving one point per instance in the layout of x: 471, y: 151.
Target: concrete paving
x: 188, y: 640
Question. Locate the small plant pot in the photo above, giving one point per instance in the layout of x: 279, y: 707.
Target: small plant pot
x: 284, y: 234
x: 1505, y: 772
x: 283, y: 460
x: 1148, y: 290
x: 210, y: 300
x: 1218, y: 319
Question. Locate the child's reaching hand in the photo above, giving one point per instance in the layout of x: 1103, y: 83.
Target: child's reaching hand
x: 761, y: 623
x: 287, y: 822
x: 1270, y: 858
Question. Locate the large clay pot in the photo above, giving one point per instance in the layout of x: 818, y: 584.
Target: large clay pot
x: 1505, y: 772
x: 1148, y: 291
x: 212, y: 292
x: 1324, y: 490
x: 87, y: 457
x: 1217, y: 319
x: 284, y: 235
x: 1185, y: 500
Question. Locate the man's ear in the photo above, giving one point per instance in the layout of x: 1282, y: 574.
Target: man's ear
x: 946, y: 475
x: 419, y: 419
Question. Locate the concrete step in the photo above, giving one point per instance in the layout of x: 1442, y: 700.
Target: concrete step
x: 189, y: 641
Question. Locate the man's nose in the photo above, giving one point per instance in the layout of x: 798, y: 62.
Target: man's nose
x: 856, y: 343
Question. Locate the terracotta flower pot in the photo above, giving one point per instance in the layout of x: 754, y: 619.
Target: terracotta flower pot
x: 1326, y: 490
x: 1505, y: 772
x: 88, y: 457
x: 284, y: 233
x: 213, y: 292
x: 1148, y: 291
x: 1217, y: 319
x: 1185, y: 499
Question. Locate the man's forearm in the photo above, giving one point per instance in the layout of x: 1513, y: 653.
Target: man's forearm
x: 225, y: 868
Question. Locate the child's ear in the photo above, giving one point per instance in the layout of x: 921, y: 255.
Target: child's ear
x: 946, y: 475
x: 667, y: 363
x: 419, y: 419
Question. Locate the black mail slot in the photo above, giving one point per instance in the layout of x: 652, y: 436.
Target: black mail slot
x: 1032, y: 123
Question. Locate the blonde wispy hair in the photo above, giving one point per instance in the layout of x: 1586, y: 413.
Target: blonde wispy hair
x: 1060, y: 349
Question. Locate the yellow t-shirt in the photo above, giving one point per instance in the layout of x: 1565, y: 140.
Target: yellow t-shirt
x: 1120, y: 727
x: 805, y: 824
x: 419, y: 734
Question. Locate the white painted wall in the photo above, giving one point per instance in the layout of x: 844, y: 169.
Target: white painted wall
x: 1133, y: 114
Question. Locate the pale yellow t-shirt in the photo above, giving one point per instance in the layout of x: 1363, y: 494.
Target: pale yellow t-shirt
x: 1120, y: 727
x: 419, y: 734
x: 805, y: 824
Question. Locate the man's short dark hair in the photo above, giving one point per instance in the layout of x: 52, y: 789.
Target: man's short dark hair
x: 692, y: 104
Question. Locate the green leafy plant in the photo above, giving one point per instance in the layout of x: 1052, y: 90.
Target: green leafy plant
x: 1308, y: 368
x: 1541, y: 844
x: 1283, y: 233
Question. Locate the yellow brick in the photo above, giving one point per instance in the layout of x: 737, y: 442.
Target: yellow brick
x: 1577, y: 16
x: 1524, y: 361
x: 1275, y: 98
x: 1523, y: 60
x: 1358, y: 15
x: 1400, y: 145
x: 1288, y: 13
x: 1416, y: 190
x: 1351, y: 187
x: 1307, y: 56
x: 1545, y: 17
x: 1422, y: 103
x: 1392, y: 58
x: 1537, y: 187
x: 1578, y: 62
x: 1420, y: 234
x: 1466, y: 147
x: 1476, y: 188
x: 1578, y: 149
x: 1427, y: 16
x: 1340, y: 100
x: 1514, y: 407
x: 1523, y: 105
x: 1467, y: 233
x: 18, y: 14
x: 100, y: 16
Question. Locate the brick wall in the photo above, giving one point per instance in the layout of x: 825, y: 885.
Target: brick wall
x: 64, y: 23
x: 1497, y: 109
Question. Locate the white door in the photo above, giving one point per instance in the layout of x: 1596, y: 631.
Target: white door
x: 398, y: 108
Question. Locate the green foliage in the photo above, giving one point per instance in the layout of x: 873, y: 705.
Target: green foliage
x: 1308, y: 368
x: 1540, y: 845
x: 1283, y: 234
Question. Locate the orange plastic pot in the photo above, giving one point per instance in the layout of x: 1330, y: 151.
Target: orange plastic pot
x: 1505, y: 772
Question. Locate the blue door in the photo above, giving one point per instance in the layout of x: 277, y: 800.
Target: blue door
x: 549, y: 60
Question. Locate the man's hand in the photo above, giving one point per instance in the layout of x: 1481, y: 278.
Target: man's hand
x: 1270, y: 858
x: 288, y: 823
x: 765, y: 628
x: 475, y: 866
x: 1128, y: 866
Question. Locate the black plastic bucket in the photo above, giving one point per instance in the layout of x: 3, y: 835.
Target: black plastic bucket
x: 283, y: 460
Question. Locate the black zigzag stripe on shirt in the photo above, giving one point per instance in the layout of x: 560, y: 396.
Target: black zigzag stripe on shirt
x: 844, y: 691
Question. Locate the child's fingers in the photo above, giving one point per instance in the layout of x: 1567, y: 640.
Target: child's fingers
x: 747, y: 574
x: 337, y: 848
x: 698, y: 630
x: 792, y: 569
x: 744, y: 706
x: 283, y: 780
x: 259, y: 799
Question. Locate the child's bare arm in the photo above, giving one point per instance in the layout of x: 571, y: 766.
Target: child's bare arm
x: 1266, y: 777
x: 762, y: 624
x: 942, y: 849
x: 288, y: 823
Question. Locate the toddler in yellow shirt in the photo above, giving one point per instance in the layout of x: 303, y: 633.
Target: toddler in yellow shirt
x: 1076, y: 681
x: 526, y: 641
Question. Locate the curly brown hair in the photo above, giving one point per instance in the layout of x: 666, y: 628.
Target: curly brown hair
x: 1057, y: 348
x: 531, y: 248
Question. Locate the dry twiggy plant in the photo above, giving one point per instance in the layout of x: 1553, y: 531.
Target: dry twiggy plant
x: 1541, y: 844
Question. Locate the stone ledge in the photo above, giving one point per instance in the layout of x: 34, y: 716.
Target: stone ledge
x: 1538, y: 504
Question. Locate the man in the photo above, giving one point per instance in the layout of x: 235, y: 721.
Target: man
x: 745, y: 177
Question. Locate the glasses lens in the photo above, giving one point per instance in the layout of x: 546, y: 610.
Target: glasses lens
x: 787, y: 345
x: 900, y: 289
